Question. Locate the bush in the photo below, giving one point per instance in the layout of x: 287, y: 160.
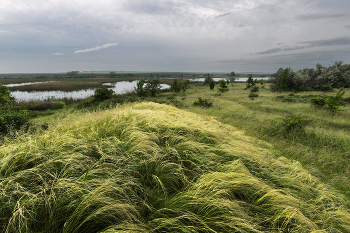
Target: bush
x: 295, y: 123
x: 253, y: 95
x: 176, y: 86
x: 211, y: 84
x: 153, y: 87
x: 103, y: 93
x: 250, y: 82
x: 202, y: 102
x: 10, y: 121
x: 140, y: 89
x: 319, y: 101
x: 329, y: 102
x: 255, y: 89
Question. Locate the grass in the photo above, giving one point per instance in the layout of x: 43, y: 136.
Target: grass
x: 148, y: 167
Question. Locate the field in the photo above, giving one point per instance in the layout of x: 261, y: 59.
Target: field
x: 164, y: 165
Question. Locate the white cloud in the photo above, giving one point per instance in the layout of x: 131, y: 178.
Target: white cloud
x: 58, y: 54
x: 105, y: 46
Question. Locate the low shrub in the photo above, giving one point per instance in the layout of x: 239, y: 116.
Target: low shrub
x: 202, y: 102
x: 254, y: 89
x: 11, y: 121
x: 295, y: 123
x: 253, y: 95
x: 103, y: 94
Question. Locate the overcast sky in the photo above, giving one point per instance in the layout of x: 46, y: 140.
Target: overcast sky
x: 172, y: 35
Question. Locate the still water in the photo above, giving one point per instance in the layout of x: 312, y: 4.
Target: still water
x: 119, y: 88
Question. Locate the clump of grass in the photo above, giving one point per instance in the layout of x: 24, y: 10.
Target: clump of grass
x: 149, y: 167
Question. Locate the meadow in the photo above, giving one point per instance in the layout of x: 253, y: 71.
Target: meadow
x: 161, y: 164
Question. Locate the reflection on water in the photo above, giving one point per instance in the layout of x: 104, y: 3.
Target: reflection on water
x: 236, y: 79
x: 119, y: 88
x: 24, y: 84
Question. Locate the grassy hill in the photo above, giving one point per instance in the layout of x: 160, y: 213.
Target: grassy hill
x: 148, y: 167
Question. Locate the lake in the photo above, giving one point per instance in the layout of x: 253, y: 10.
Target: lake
x: 119, y: 88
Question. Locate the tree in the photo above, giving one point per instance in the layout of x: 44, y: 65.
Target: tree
x: 250, y: 82
x: 140, y: 90
x: 103, y: 93
x: 176, y: 86
x: 153, y: 86
x: 211, y: 84
x: 207, y: 79
x: 72, y: 74
x: 112, y: 74
x: 232, y: 74
x: 5, y: 96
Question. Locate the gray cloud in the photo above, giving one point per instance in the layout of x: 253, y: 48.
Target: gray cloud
x: 347, y: 26
x: 105, y: 46
x: 319, y: 16
x: 222, y: 15
x: 58, y: 54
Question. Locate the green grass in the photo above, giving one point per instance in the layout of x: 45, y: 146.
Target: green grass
x: 148, y: 167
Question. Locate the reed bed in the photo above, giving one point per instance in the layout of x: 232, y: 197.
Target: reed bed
x: 149, y: 167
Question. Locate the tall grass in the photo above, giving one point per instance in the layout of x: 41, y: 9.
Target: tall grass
x: 154, y: 168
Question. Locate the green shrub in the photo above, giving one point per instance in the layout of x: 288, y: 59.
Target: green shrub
x: 176, y: 86
x: 211, y: 84
x: 255, y: 89
x: 295, y: 123
x: 153, y: 87
x: 10, y: 121
x: 253, y: 95
x: 140, y: 89
x: 202, y: 102
x: 250, y: 82
x: 319, y: 101
x: 103, y: 93
x: 332, y: 104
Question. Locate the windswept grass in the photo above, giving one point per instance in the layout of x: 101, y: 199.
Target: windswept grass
x: 154, y: 168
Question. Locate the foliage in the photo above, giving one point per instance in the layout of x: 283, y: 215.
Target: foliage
x: 112, y: 74
x: 329, y: 102
x: 250, y: 82
x: 103, y: 93
x: 153, y: 86
x: 223, y: 84
x: 6, y: 99
x: 207, y: 80
x: 140, y: 89
x: 255, y: 89
x: 295, y: 122
x: 12, y: 121
x: 232, y: 74
x: 72, y: 74
x: 176, y: 86
x: 203, y: 103
x: 253, y: 95
x: 211, y: 84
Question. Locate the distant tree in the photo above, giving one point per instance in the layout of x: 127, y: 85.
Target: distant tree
x: 72, y: 74
x: 222, y: 84
x: 207, y: 79
x: 232, y: 74
x: 112, y: 74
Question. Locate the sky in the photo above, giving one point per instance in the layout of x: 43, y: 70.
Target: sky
x: 172, y: 35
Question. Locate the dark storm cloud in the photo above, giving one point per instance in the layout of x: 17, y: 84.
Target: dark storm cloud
x: 319, y: 16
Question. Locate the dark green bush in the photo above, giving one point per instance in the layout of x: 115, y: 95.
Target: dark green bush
x: 11, y: 121
x: 319, y: 101
x: 202, y: 102
x: 176, y: 86
x: 211, y: 84
x: 255, y: 89
x: 103, y: 93
x: 253, y: 95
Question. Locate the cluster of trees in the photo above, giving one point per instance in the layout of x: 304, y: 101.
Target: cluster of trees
x: 318, y: 78
x: 150, y: 89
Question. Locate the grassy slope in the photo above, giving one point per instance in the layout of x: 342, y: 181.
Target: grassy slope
x: 324, y: 148
x: 154, y: 168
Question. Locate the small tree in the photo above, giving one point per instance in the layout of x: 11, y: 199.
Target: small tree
x: 211, y: 84
x: 207, y: 79
x: 140, y: 90
x: 153, y: 86
x: 250, y: 82
x: 176, y: 86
